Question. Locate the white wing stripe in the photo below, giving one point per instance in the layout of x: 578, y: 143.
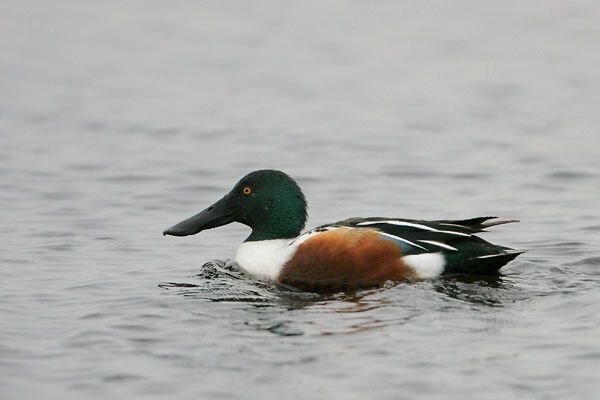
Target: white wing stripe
x: 491, y: 255
x: 402, y: 223
x: 439, y: 244
x: 453, y: 233
x: 505, y: 253
x: 403, y: 240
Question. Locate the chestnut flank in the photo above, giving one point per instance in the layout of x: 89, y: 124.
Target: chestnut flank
x: 345, y: 259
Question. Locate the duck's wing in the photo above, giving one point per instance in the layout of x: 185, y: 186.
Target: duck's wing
x: 471, y: 225
x: 416, y: 236
x: 454, y: 238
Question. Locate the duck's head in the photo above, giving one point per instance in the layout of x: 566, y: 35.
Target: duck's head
x: 268, y: 201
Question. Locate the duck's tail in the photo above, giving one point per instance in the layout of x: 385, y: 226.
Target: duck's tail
x: 491, y: 263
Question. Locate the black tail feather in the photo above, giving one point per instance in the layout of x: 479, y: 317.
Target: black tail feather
x: 478, y: 224
x: 485, y: 265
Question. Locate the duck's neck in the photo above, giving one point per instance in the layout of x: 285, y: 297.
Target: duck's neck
x: 259, y: 234
x: 278, y: 226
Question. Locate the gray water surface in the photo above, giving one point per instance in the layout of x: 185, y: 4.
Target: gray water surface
x: 119, y: 119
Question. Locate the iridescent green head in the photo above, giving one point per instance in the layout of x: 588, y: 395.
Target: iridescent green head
x: 268, y: 201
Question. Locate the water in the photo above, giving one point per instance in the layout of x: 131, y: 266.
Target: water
x: 118, y: 120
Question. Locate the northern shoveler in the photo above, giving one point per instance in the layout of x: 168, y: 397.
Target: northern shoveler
x: 349, y: 254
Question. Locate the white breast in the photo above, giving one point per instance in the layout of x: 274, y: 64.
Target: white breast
x: 265, y: 258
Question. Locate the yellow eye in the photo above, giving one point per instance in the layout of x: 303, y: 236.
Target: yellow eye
x: 247, y: 190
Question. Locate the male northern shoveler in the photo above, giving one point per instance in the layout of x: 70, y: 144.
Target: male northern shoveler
x: 350, y: 254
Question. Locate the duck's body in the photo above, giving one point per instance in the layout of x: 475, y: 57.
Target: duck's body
x: 364, y: 252
x: 350, y: 254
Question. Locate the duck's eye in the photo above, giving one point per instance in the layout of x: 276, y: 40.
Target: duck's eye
x: 247, y: 191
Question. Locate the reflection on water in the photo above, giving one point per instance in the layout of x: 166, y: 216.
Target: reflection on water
x: 223, y: 281
x: 485, y: 290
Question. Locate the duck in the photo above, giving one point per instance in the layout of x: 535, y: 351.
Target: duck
x: 351, y: 254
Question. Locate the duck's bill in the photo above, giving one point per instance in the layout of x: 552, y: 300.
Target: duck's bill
x: 216, y: 215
